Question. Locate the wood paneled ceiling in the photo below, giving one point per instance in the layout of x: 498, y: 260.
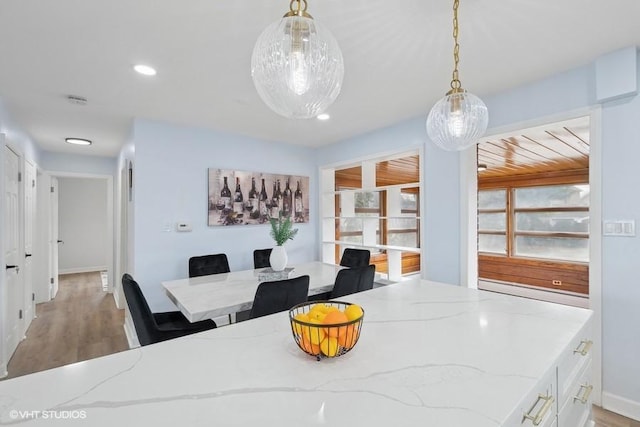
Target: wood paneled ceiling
x: 555, y: 147
x: 402, y: 170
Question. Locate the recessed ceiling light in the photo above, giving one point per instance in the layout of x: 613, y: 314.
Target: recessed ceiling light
x: 323, y: 116
x: 482, y: 167
x: 78, y: 141
x: 145, y: 70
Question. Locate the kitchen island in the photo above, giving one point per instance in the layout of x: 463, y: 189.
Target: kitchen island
x: 429, y: 354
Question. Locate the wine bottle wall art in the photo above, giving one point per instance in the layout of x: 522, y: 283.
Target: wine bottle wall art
x: 242, y: 197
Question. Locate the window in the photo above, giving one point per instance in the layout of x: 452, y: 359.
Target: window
x: 367, y: 204
x: 549, y: 222
x: 405, y: 231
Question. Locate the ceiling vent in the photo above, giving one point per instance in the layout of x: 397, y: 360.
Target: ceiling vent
x: 77, y: 100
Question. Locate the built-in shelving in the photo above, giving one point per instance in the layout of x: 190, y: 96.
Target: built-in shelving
x: 391, y: 177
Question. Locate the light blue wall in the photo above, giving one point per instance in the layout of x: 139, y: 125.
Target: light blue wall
x: 170, y: 180
x: 17, y: 138
x: 77, y: 163
x: 620, y: 288
x: 440, y: 210
x: 621, y: 177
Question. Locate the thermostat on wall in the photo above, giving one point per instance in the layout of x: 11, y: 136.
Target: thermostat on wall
x: 184, y: 226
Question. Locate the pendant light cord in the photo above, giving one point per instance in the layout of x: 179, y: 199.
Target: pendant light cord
x: 456, y: 86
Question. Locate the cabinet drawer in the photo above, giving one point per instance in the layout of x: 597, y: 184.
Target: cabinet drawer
x: 538, y: 408
x: 573, y: 361
x: 576, y: 410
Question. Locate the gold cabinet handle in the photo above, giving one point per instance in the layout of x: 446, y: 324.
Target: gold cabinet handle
x: 587, y: 392
x: 537, y: 418
x: 583, y: 347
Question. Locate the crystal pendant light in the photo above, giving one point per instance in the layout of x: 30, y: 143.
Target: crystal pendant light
x: 296, y: 66
x: 460, y: 118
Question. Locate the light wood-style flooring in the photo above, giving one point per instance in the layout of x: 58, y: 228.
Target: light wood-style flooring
x: 604, y: 418
x: 81, y: 323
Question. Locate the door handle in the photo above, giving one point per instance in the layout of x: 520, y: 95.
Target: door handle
x: 27, y: 255
x: 60, y: 241
x: 9, y: 267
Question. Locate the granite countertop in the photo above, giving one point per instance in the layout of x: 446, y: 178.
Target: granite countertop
x: 429, y: 354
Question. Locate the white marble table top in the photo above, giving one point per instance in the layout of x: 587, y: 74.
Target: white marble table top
x: 429, y: 355
x: 208, y: 297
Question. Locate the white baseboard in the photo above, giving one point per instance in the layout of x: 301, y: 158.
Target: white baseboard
x: 130, y: 331
x: 621, y: 405
x: 82, y: 269
x: 534, y: 293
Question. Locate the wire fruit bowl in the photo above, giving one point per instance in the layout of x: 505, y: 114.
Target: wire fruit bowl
x: 326, y: 328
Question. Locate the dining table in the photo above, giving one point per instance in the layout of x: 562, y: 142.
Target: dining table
x: 224, y: 294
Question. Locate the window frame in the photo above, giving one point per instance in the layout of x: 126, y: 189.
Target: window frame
x: 510, y: 233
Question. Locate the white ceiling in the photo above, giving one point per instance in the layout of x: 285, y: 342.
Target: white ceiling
x: 397, y: 60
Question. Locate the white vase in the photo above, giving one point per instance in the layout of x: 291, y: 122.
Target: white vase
x: 278, y: 258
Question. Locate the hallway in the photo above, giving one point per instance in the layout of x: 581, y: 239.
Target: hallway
x: 81, y: 323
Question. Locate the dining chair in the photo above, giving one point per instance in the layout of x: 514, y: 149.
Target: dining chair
x: 156, y: 327
x: 367, y: 275
x: 208, y: 264
x: 261, y: 258
x: 355, y: 257
x: 352, y: 280
x: 279, y: 295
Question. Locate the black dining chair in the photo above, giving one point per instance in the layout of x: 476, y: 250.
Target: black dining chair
x: 208, y: 264
x: 352, y: 280
x: 279, y: 295
x: 156, y: 327
x: 355, y: 257
x: 261, y: 258
x: 367, y: 275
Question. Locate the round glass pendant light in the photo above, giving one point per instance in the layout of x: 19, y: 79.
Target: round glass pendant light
x: 460, y: 118
x: 297, y: 66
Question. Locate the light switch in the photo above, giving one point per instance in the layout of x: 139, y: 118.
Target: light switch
x: 623, y: 228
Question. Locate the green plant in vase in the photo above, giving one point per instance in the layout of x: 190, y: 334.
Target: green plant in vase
x: 281, y: 231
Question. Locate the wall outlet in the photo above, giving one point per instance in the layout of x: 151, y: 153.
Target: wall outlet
x: 183, y: 226
x: 556, y: 282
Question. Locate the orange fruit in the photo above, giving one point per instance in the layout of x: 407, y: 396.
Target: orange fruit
x: 306, y: 345
x: 334, y: 318
x: 329, y: 346
x: 348, y: 339
x: 353, y: 312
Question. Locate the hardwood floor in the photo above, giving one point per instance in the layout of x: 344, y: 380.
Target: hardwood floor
x: 81, y: 323
x: 604, y: 418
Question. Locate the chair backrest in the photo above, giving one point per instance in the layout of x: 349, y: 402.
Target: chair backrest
x: 261, y: 258
x: 367, y: 274
x: 279, y: 295
x: 140, y: 312
x: 208, y: 264
x: 347, y: 282
x: 355, y: 258
x: 352, y: 280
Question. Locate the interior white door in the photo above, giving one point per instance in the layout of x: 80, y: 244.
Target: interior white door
x: 14, y: 300
x: 29, y: 227
x: 55, y: 238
